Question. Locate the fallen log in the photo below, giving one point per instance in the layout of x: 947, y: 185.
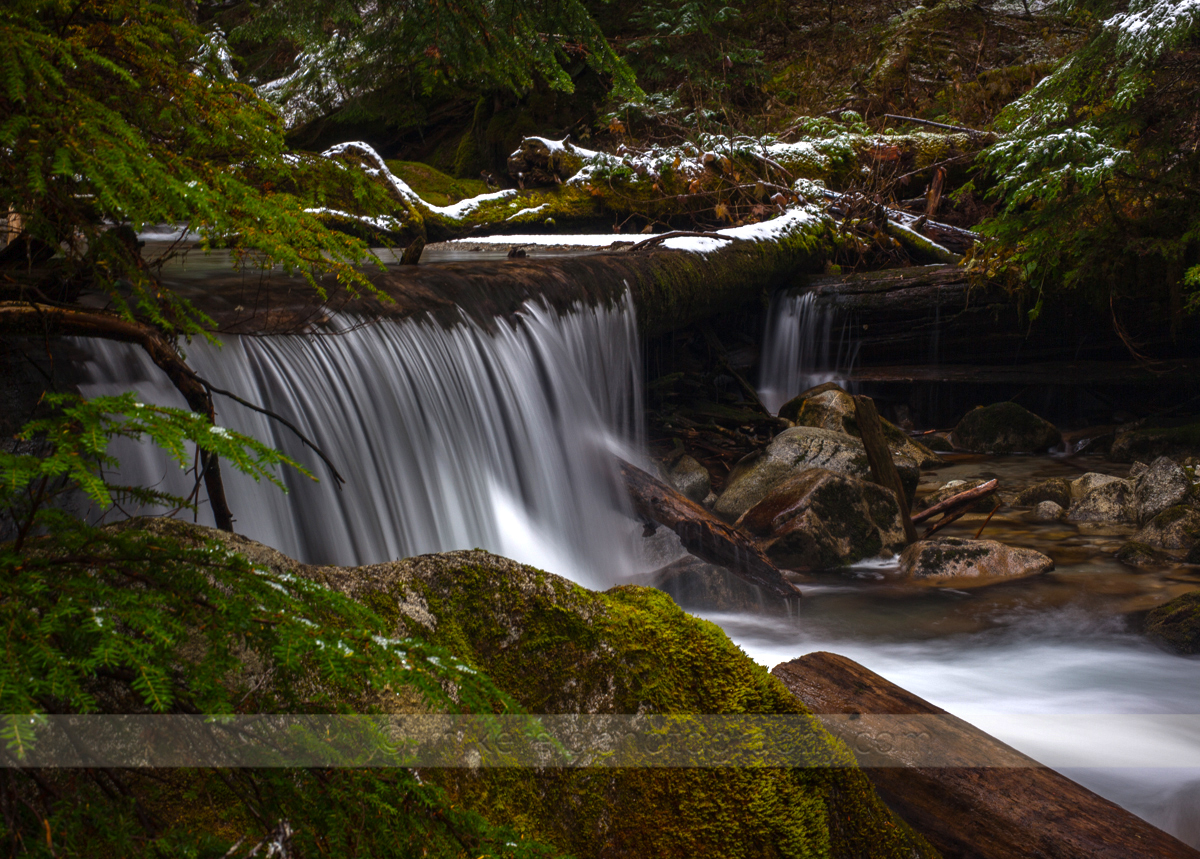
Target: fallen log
x: 1010, y: 808
x: 962, y: 499
x: 702, y: 533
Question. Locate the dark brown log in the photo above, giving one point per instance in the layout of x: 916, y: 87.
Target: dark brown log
x: 48, y: 320
x: 934, y: 197
x: 955, y: 501
x: 412, y: 253
x: 949, y: 518
x: 883, y: 469
x: 702, y: 533
x: 1013, y: 808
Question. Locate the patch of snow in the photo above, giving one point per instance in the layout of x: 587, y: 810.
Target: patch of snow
x: 384, y: 222
x: 531, y: 211
x: 764, y: 231
x: 601, y: 240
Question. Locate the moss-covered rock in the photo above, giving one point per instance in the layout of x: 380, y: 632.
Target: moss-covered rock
x: 1162, y: 484
x: 833, y: 409
x: 1137, y: 554
x: 1175, y: 530
x: 1005, y: 428
x: 1056, y: 489
x: 958, y: 563
x: 821, y: 519
x: 558, y: 648
x: 1177, y: 438
x: 1176, y: 624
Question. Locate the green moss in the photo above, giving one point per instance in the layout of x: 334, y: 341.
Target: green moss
x: 1176, y: 624
x: 434, y: 186
x: 1005, y: 428
x: 1147, y: 443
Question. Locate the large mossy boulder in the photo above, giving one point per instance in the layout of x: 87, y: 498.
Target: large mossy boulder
x: 1005, y: 428
x: 1176, y: 624
x: 829, y: 407
x: 557, y: 648
x: 799, y: 449
x: 953, y: 562
x: 1166, y: 438
x: 821, y: 519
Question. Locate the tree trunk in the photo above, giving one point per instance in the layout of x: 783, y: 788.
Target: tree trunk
x: 968, y: 793
x: 702, y: 533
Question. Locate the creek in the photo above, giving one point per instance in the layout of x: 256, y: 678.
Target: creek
x: 460, y: 436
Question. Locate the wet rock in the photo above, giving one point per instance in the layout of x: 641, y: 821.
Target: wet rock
x: 1048, y: 511
x: 1056, y: 489
x: 938, y: 442
x: 1176, y: 529
x: 690, y: 479
x: 793, y: 451
x: 1081, y: 487
x: 1177, y: 438
x: 1176, y: 624
x: 949, y: 490
x: 821, y: 519
x: 1110, y: 501
x: 1140, y: 555
x: 829, y: 407
x: 959, y: 563
x: 1162, y: 484
x: 697, y: 585
x: 1005, y: 428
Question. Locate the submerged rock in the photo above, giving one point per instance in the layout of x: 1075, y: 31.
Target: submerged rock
x: 958, y: 563
x: 1005, y: 428
x: 1140, y: 555
x: 690, y: 479
x: 1176, y: 624
x: 829, y: 407
x: 1160, y: 485
x: 1048, y: 511
x: 1180, y: 438
x: 695, y: 584
x: 1111, y: 501
x: 821, y: 519
x: 796, y: 450
x: 1056, y: 490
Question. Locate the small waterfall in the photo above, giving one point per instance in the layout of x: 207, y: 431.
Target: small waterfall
x: 449, y: 438
x: 801, y: 347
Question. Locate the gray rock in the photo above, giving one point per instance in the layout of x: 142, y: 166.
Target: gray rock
x: 1164, y: 483
x: 1137, y: 470
x: 1056, y: 489
x: 1111, y: 501
x: 1005, y: 428
x: 690, y: 478
x: 793, y: 451
x: 694, y: 584
x: 1081, y: 487
x: 957, y: 563
x: 821, y: 519
x: 832, y: 408
x: 1176, y: 530
x: 1048, y: 511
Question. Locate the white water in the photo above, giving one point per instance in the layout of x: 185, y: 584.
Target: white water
x: 801, y: 348
x: 448, y: 438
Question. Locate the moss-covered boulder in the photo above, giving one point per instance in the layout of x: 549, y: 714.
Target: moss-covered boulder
x: 1005, y: 428
x: 1175, y: 530
x: 799, y: 449
x: 1165, y: 438
x: 833, y: 409
x: 1056, y: 489
x: 821, y: 519
x: 1176, y: 624
x: 558, y: 648
x: 953, y: 562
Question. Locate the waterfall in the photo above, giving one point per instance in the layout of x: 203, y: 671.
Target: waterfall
x: 800, y: 349
x: 448, y: 438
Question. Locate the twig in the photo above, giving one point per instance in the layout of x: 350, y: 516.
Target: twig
x: 988, y: 519
x: 915, y: 121
x: 678, y: 234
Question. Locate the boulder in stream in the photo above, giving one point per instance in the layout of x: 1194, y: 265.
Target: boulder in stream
x: 699, y: 586
x: 1167, y: 438
x: 1109, y: 500
x: 793, y: 451
x: 829, y: 407
x: 1005, y: 428
x: 954, y: 562
x: 1175, y: 625
x: 690, y: 479
x: 821, y: 519
x: 1175, y: 530
x: 1160, y: 485
x: 1056, y: 489
x: 1048, y: 511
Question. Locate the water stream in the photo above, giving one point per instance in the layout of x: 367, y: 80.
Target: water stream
x: 807, y: 342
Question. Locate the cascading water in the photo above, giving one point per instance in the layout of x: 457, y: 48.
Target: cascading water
x: 801, y: 349
x: 448, y: 438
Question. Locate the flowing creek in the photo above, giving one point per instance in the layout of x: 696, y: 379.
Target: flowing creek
x: 460, y: 437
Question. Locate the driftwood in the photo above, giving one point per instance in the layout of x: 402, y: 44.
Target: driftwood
x: 702, y: 533
x: 968, y: 793
x: 962, y: 499
x: 883, y: 468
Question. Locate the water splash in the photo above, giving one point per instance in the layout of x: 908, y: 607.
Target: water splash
x: 806, y: 344
x: 449, y: 438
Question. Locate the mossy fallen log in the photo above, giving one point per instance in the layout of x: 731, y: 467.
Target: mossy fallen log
x: 968, y: 793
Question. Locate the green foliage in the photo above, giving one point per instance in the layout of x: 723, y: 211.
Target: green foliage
x: 122, y: 112
x: 1098, y: 169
